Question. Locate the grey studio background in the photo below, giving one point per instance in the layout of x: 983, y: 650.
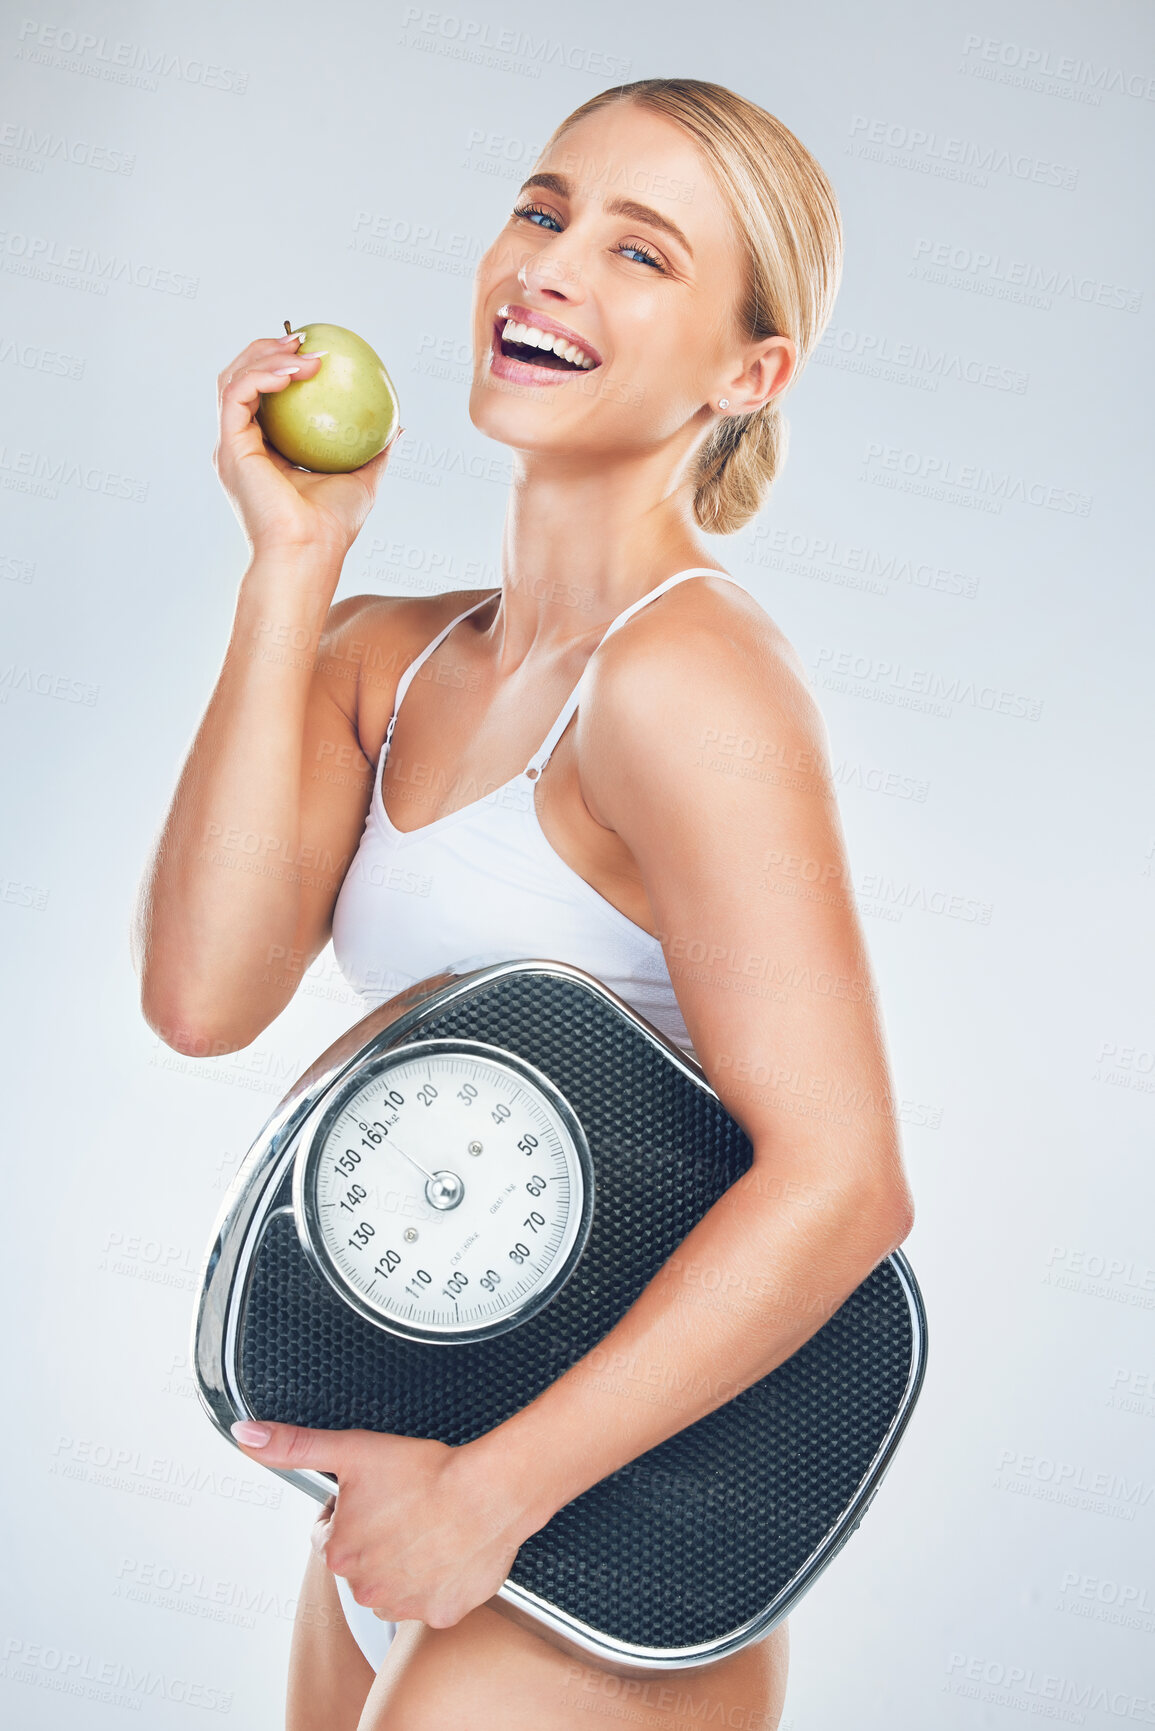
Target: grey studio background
x: 957, y: 549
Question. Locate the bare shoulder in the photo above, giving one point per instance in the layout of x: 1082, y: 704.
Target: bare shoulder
x: 360, y: 619
x: 706, y: 666
x: 369, y: 640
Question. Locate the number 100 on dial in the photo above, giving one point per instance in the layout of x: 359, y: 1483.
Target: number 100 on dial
x: 444, y: 1189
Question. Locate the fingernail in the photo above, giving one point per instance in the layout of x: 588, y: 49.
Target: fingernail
x: 254, y: 1436
x: 293, y: 337
x: 311, y: 354
x: 286, y: 369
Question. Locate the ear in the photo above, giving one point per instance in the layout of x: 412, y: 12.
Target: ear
x: 765, y: 371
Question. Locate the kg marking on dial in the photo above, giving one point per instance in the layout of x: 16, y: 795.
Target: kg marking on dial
x: 475, y: 1146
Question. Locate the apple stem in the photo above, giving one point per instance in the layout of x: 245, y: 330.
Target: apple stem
x: 288, y: 328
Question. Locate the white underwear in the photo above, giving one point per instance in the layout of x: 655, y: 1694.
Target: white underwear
x: 371, y: 1633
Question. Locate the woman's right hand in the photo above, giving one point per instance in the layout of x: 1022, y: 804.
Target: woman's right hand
x: 279, y: 506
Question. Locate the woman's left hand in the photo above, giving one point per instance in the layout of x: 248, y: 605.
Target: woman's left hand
x: 416, y: 1529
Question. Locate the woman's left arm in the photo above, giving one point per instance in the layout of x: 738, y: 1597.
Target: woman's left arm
x: 708, y: 758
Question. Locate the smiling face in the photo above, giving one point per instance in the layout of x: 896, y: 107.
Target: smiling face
x: 605, y: 312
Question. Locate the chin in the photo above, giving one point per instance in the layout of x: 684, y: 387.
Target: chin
x: 513, y: 416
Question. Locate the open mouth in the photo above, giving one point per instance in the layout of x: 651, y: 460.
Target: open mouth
x: 553, y: 349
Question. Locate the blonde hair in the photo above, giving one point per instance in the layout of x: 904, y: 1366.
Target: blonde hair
x: 787, y: 216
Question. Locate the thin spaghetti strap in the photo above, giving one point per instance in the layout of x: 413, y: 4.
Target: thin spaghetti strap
x: 406, y: 678
x: 542, y: 755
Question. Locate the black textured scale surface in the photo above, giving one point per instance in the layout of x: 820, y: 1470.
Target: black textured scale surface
x: 690, y: 1541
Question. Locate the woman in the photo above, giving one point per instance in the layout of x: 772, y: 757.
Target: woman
x: 665, y: 272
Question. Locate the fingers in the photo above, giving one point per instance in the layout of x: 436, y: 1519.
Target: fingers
x: 260, y: 350
x: 293, y: 1446
x: 437, y: 1612
x: 322, y: 1530
x: 271, y: 369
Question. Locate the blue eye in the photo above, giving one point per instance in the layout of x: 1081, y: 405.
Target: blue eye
x: 646, y: 257
x: 630, y: 248
x: 533, y: 211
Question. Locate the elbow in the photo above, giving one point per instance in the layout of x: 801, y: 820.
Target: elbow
x: 892, y: 1210
x: 190, y: 1028
x: 873, y: 1214
x: 191, y: 1004
x: 902, y: 1221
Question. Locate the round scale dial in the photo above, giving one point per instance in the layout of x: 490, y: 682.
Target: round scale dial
x: 446, y: 1190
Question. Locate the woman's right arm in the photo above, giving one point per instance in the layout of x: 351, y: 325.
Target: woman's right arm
x: 238, y: 896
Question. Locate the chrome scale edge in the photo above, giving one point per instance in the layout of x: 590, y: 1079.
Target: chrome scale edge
x: 245, y: 1212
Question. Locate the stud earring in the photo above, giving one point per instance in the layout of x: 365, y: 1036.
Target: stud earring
x: 723, y: 402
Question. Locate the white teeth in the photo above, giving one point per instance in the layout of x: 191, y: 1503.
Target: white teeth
x: 530, y: 336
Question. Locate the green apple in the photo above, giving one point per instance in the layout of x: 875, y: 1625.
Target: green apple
x: 339, y: 418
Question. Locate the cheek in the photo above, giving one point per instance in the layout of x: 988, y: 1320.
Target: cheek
x: 663, y: 352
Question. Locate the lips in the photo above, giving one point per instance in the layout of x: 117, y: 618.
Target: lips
x: 528, y: 347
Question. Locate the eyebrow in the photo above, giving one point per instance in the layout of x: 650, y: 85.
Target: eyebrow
x: 617, y: 207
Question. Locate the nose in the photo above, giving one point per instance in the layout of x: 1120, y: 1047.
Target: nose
x: 552, y: 271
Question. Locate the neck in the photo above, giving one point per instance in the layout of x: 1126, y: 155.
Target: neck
x: 581, y: 542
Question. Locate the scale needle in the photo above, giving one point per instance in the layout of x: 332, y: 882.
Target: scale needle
x: 430, y: 1175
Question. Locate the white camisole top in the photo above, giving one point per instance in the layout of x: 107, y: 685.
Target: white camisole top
x: 482, y: 885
